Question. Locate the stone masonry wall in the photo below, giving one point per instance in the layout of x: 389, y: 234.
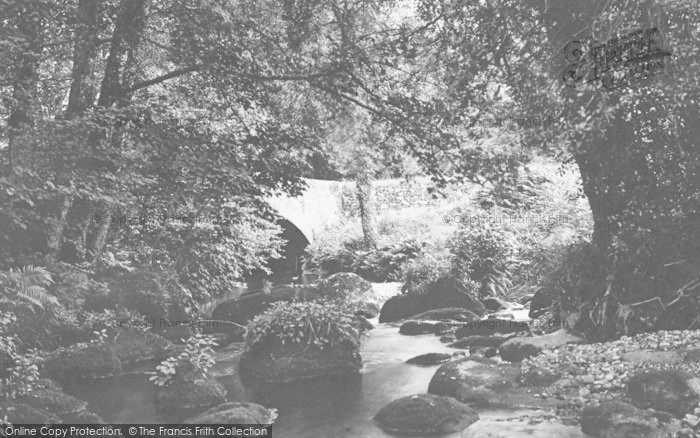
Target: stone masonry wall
x: 396, y: 194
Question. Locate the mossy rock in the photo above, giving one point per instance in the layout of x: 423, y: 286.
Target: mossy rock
x: 474, y: 380
x: 493, y: 304
x: 617, y: 419
x: 667, y: 390
x: 443, y: 293
x: 344, y: 285
x: 425, y: 414
x: 235, y: 413
x: 190, y: 390
x: 291, y: 362
x: 21, y: 413
x: 53, y: 401
x: 84, y: 362
x: 134, y: 347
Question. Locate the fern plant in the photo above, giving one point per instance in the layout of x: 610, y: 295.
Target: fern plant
x: 27, y: 285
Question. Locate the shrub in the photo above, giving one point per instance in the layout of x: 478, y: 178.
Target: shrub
x: 386, y: 263
x: 22, y: 377
x: 572, y: 279
x: 522, y: 196
x: 378, y: 265
x: 423, y: 271
x: 315, y: 324
x: 198, y: 356
x: 483, y: 253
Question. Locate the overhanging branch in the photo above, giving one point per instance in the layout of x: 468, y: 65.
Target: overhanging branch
x: 165, y: 77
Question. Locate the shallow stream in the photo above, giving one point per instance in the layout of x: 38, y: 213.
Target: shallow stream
x: 333, y: 408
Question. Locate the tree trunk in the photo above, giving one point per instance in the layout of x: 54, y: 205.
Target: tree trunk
x: 120, y: 70
x: 82, y: 90
x: 25, y: 82
x: 88, y: 235
x: 55, y: 237
x: 365, y: 199
x: 97, y: 239
x: 80, y: 98
x: 642, y: 186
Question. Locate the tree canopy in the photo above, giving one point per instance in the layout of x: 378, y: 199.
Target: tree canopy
x: 162, y: 108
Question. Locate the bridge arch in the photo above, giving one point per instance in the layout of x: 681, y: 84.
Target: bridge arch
x: 314, y: 210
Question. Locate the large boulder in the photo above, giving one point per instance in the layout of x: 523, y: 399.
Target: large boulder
x: 292, y: 362
x: 83, y: 362
x: 134, y: 348
x: 542, y: 301
x: 493, y: 304
x: 517, y: 349
x: 613, y: 419
x: 445, y: 292
x: 344, y: 285
x: 474, y: 380
x: 248, y: 306
x: 235, y: 413
x: 425, y: 414
x: 190, y: 390
x: 667, y: 390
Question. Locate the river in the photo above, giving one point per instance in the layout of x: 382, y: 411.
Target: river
x: 332, y: 408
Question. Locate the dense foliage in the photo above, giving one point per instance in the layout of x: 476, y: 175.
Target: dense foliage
x: 483, y: 252
x: 377, y: 264
x: 426, y: 270
x: 503, y: 250
x: 314, y: 324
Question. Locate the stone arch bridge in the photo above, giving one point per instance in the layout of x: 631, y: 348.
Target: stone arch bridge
x: 302, y: 219
x: 326, y: 203
x: 319, y: 207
